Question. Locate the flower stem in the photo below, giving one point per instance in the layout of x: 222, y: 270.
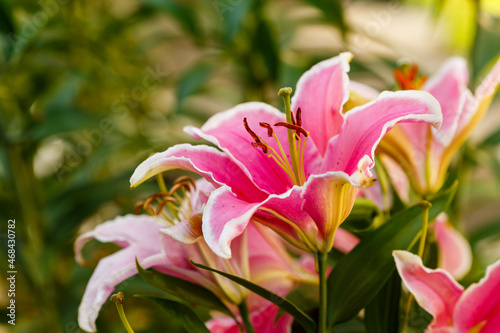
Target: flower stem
x: 245, y: 316
x: 119, y: 299
x: 285, y: 94
x: 322, y: 264
x: 426, y: 205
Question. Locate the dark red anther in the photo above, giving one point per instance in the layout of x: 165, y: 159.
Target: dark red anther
x: 292, y: 119
x: 260, y: 145
x: 299, y: 117
x: 252, y: 133
x: 268, y: 127
x: 299, y: 130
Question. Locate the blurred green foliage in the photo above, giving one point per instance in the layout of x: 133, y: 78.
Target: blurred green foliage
x: 89, y: 88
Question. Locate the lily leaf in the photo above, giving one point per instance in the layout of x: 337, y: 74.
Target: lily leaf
x: 382, y: 313
x: 179, y: 312
x: 183, y: 289
x: 284, y: 304
x: 355, y: 281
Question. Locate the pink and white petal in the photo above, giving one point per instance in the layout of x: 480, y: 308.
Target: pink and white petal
x: 480, y: 303
x: 263, y: 322
x: 328, y: 199
x: 490, y: 83
x: 124, y: 231
x: 138, y: 236
x: 455, y: 254
x: 365, y: 126
x: 227, y: 131
x: 212, y: 164
x: 321, y: 92
x: 449, y: 87
x: 344, y: 241
x: 226, y: 217
x: 435, y: 290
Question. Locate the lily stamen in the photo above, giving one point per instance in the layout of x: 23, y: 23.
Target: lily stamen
x: 298, y: 130
x: 270, y: 131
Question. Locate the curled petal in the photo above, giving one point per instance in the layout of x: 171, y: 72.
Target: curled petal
x: 138, y: 236
x: 449, y: 87
x: 226, y: 217
x: 455, y: 254
x: 215, y: 166
x: 434, y: 290
x: 366, y: 125
x: 479, y: 305
x: 490, y: 83
x: 321, y: 92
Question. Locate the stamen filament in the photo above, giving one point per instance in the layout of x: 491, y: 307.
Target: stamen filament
x: 119, y: 299
x: 301, y: 233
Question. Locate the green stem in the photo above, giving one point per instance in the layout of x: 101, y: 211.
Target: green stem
x: 245, y: 316
x: 322, y: 265
x: 285, y: 94
x: 426, y: 205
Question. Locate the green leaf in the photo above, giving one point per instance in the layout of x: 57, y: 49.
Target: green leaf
x: 332, y: 12
x: 492, y: 140
x: 355, y: 280
x: 179, y: 312
x: 382, y: 313
x: 183, y: 13
x: 232, y: 14
x: 192, y: 81
x: 183, y: 289
x: 283, y: 303
x: 6, y: 23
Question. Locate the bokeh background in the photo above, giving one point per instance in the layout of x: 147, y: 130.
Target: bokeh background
x: 90, y: 88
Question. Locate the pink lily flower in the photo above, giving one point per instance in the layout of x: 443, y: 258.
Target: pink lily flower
x: 304, y: 192
x: 262, y: 258
x: 474, y: 310
x: 425, y: 153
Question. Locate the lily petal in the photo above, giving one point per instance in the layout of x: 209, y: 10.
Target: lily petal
x: 329, y: 198
x: 367, y: 124
x: 226, y: 130
x: 455, y: 254
x: 321, y: 92
x: 226, y: 217
x: 480, y: 304
x: 215, y: 166
x: 449, y: 87
x: 434, y: 290
x: 138, y: 236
